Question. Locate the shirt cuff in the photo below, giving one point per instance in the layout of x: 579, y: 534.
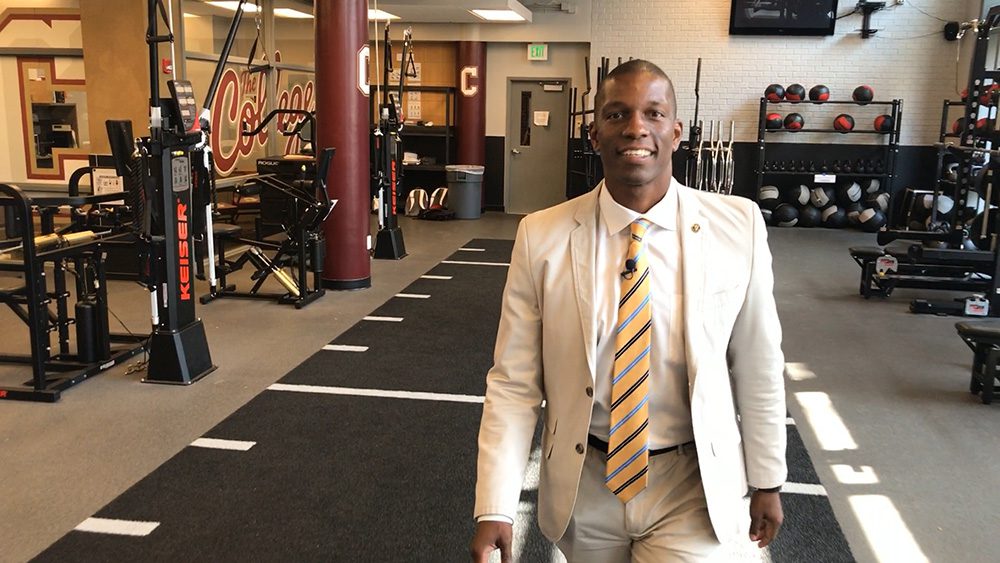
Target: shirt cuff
x: 494, y: 518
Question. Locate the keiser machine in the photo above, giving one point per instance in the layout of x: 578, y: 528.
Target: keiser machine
x: 178, y: 350
x: 387, y: 152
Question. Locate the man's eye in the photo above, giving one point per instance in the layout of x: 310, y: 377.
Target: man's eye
x: 656, y: 114
x: 615, y: 115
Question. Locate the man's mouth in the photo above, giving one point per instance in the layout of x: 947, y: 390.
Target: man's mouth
x: 637, y: 153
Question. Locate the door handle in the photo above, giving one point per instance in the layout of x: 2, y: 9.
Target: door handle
x: 515, y: 151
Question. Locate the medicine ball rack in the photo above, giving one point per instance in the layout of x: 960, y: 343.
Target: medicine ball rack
x: 889, y: 150
x: 952, y: 258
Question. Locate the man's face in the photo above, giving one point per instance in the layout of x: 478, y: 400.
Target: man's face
x: 636, y: 131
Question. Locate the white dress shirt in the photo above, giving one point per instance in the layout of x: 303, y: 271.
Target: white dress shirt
x: 669, y: 403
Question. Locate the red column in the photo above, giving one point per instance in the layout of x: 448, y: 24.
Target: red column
x: 470, y: 110
x: 342, y: 121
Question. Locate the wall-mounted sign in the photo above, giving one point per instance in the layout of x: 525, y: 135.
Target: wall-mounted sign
x: 538, y: 51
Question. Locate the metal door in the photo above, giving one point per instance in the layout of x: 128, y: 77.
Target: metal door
x: 537, y: 130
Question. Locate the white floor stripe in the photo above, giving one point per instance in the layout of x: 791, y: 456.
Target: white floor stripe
x: 465, y: 263
x: 430, y: 277
x: 116, y: 527
x: 790, y: 421
x: 803, y: 489
x: 215, y: 444
x: 324, y: 390
x: 413, y: 295
x: 384, y: 319
x: 473, y: 249
x: 345, y: 348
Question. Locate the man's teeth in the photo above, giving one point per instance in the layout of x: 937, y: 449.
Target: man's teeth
x: 637, y: 152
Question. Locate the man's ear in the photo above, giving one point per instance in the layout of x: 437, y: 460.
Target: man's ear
x: 592, y: 133
x: 678, y: 133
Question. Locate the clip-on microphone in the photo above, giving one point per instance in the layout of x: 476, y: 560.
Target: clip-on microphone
x: 630, y: 268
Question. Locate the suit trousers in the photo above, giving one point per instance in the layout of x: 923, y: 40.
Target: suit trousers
x: 666, y: 522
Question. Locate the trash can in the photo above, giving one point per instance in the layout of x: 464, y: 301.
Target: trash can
x: 465, y: 190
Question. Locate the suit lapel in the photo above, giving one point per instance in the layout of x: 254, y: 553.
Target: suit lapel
x: 582, y: 241
x: 693, y: 228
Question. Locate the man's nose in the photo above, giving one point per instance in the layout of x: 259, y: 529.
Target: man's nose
x: 635, y: 127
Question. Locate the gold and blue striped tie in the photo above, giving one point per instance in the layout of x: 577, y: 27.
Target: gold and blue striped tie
x: 628, y: 444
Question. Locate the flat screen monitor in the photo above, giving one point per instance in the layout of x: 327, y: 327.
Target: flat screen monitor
x: 782, y: 17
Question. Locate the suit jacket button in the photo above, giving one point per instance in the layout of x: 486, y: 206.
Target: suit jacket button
x: 590, y: 391
x: 579, y: 448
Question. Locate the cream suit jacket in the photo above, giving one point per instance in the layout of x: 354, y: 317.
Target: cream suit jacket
x: 546, y: 344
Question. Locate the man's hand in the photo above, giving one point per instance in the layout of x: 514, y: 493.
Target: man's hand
x: 495, y: 535
x: 765, y: 517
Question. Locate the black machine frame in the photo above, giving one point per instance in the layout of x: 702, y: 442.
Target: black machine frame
x: 97, y: 349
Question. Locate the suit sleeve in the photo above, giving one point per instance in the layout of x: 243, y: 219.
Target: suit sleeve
x: 757, y: 367
x: 513, y: 390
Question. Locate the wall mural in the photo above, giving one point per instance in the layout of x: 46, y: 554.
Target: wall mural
x: 242, y: 98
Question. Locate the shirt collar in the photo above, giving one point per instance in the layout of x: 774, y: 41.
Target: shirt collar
x: 616, y: 217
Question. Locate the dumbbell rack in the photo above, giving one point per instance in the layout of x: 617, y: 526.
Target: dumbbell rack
x: 890, y: 148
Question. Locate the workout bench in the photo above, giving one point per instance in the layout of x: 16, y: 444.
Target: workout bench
x: 983, y: 338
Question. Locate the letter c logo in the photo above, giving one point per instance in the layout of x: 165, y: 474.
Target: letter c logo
x: 363, y: 62
x: 469, y: 90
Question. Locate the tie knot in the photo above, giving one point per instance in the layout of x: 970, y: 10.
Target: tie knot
x: 639, y: 227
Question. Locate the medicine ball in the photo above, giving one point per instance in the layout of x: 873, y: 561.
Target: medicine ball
x: 819, y: 93
x: 878, y: 200
x: 870, y: 185
x: 871, y: 220
x: 774, y: 121
x: 822, y: 197
x: 843, y: 123
x: 982, y: 126
x: 975, y: 203
x: 785, y: 215
x: 768, y: 197
x: 834, y: 217
x: 794, y: 122
x: 883, y: 123
x: 944, y: 204
x: 798, y: 196
x: 863, y: 94
x: 958, y: 126
x: 795, y: 92
x: 853, y: 212
x: 950, y: 171
x: 848, y: 193
x: 809, y: 216
x: 775, y: 92
x: 768, y: 216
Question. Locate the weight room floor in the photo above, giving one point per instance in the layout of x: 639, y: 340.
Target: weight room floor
x: 912, y: 439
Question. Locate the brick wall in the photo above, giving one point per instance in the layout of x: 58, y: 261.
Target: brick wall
x: 907, y: 59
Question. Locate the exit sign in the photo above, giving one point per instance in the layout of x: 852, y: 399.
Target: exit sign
x: 538, y: 52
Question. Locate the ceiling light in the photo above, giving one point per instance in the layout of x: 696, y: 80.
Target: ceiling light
x: 232, y: 5
x: 377, y: 15
x: 498, y: 15
x: 187, y: 15
x: 291, y: 13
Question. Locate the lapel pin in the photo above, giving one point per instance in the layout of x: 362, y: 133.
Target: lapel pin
x: 695, y: 228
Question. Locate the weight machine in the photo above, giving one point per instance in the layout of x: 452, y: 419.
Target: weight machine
x: 173, y: 167
x: 303, y: 247
x: 71, y: 249
x: 387, y: 151
x: 958, y: 251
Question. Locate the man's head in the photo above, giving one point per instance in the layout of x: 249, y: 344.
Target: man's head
x: 635, y: 128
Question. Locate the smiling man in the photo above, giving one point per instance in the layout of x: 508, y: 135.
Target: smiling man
x: 643, y: 314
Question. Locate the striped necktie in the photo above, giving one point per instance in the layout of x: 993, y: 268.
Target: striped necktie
x: 628, y: 444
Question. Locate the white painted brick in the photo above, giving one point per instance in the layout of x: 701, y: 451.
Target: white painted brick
x: 897, y: 63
